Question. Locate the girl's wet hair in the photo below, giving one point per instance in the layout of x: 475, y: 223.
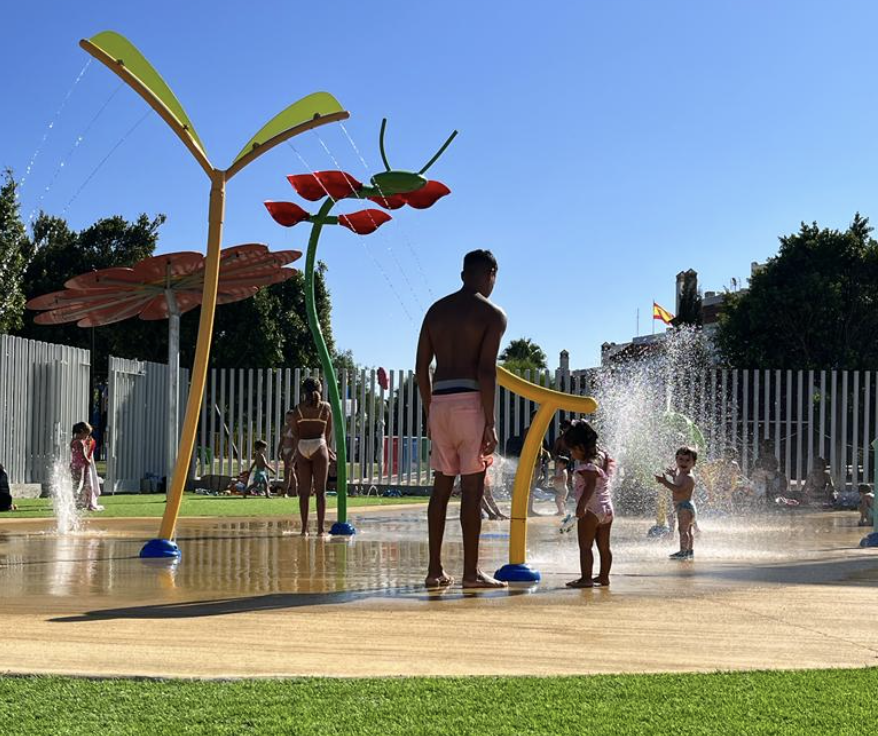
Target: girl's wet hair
x: 81, y: 427
x: 582, y: 434
x: 313, y: 390
x: 259, y: 445
x: 688, y: 452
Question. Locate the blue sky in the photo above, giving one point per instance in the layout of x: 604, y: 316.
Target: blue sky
x: 603, y: 147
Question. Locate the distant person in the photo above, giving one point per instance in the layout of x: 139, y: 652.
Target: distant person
x: 490, y: 509
x: 594, y: 505
x: 82, y: 470
x: 5, y: 494
x: 559, y: 482
x: 258, y: 471
x: 769, y: 481
x: 313, y: 432
x: 513, y: 449
x: 462, y: 332
x: 819, y: 487
x: 679, y: 481
x: 559, y: 447
x: 286, y: 451
x: 867, y: 505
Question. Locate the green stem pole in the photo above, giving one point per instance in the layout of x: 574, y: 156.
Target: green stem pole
x: 329, y: 376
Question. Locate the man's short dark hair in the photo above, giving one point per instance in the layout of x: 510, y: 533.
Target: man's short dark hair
x: 479, y: 260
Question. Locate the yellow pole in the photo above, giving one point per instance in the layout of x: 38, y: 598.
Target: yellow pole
x: 523, y: 480
x: 550, y: 401
x: 202, y: 353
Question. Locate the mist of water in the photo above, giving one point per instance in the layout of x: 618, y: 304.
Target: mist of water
x: 664, y: 398
x: 67, y: 516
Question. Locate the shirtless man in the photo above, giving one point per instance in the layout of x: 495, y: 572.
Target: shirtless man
x: 462, y: 332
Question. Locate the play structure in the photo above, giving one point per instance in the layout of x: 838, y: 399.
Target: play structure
x: 123, y: 59
x: 163, y: 287
x: 390, y: 189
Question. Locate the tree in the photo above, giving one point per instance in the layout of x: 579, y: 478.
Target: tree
x: 523, y: 354
x: 689, y: 312
x: 61, y: 253
x: 814, y: 305
x: 15, y: 251
x: 270, y: 329
x: 265, y: 331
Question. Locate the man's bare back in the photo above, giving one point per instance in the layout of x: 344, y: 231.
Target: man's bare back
x: 458, y: 326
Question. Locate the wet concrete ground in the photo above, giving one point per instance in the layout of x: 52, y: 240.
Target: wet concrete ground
x: 252, y: 597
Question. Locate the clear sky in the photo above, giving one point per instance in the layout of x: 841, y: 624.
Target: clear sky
x: 603, y: 146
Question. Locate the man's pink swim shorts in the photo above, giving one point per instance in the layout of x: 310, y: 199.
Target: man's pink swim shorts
x: 457, y: 430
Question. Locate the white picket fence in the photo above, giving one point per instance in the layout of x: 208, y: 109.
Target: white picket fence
x: 43, y: 392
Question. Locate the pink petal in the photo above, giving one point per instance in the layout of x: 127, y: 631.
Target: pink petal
x: 316, y: 186
x: 286, y: 213
x: 390, y: 202
x: 427, y: 195
x: 364, y: 221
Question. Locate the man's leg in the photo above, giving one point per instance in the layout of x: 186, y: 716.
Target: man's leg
x: 436, y: 511
x: 471, y: 490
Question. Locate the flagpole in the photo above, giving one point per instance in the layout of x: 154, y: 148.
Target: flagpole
x: 653, y: 316
x: 637, y: 330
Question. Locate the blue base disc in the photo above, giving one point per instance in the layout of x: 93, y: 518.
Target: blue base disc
x: 523, y: 573
x: 160, y: 548
x: 342, y: 529
x: 870, y: 540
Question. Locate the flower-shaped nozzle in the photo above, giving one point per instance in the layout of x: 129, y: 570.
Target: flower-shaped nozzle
x: 398, y: 182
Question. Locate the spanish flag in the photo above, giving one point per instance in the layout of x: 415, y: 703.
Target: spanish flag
x: 662, y: 314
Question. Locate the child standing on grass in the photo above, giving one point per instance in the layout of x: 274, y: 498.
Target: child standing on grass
x: 681, y: 484
x: 594, y: 506
x: 260, y: 470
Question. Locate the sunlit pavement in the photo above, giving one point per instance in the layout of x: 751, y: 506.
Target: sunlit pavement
x: 253, y: 598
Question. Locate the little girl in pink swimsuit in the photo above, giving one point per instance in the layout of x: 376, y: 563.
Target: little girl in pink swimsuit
x: 82, y: 468
x: 594, y: 505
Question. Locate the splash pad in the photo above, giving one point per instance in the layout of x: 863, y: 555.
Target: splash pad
x: 255, y: 599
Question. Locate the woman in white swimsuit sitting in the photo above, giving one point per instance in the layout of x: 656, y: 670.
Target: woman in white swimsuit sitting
x: 313, y: 428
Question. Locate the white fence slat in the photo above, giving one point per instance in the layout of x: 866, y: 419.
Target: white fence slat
x: 800, y: 390
x: 855, y: 434
x: 833, y: 406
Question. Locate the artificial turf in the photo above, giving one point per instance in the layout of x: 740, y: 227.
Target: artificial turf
x: 837, y: 702
x: 128, y: 505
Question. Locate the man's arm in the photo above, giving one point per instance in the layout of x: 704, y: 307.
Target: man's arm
x: 422, y: 366
x: 487, y: 375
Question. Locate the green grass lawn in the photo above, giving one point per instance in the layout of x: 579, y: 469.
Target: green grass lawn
x: 836, y: 702
x: 196, y: 505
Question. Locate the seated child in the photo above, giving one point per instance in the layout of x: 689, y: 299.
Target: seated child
x: 562, y: 462
x: 867, y: 505
x: 819, y: 487
x: 5, y: 494
x: 682, y: 484
x: 260, y: 470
